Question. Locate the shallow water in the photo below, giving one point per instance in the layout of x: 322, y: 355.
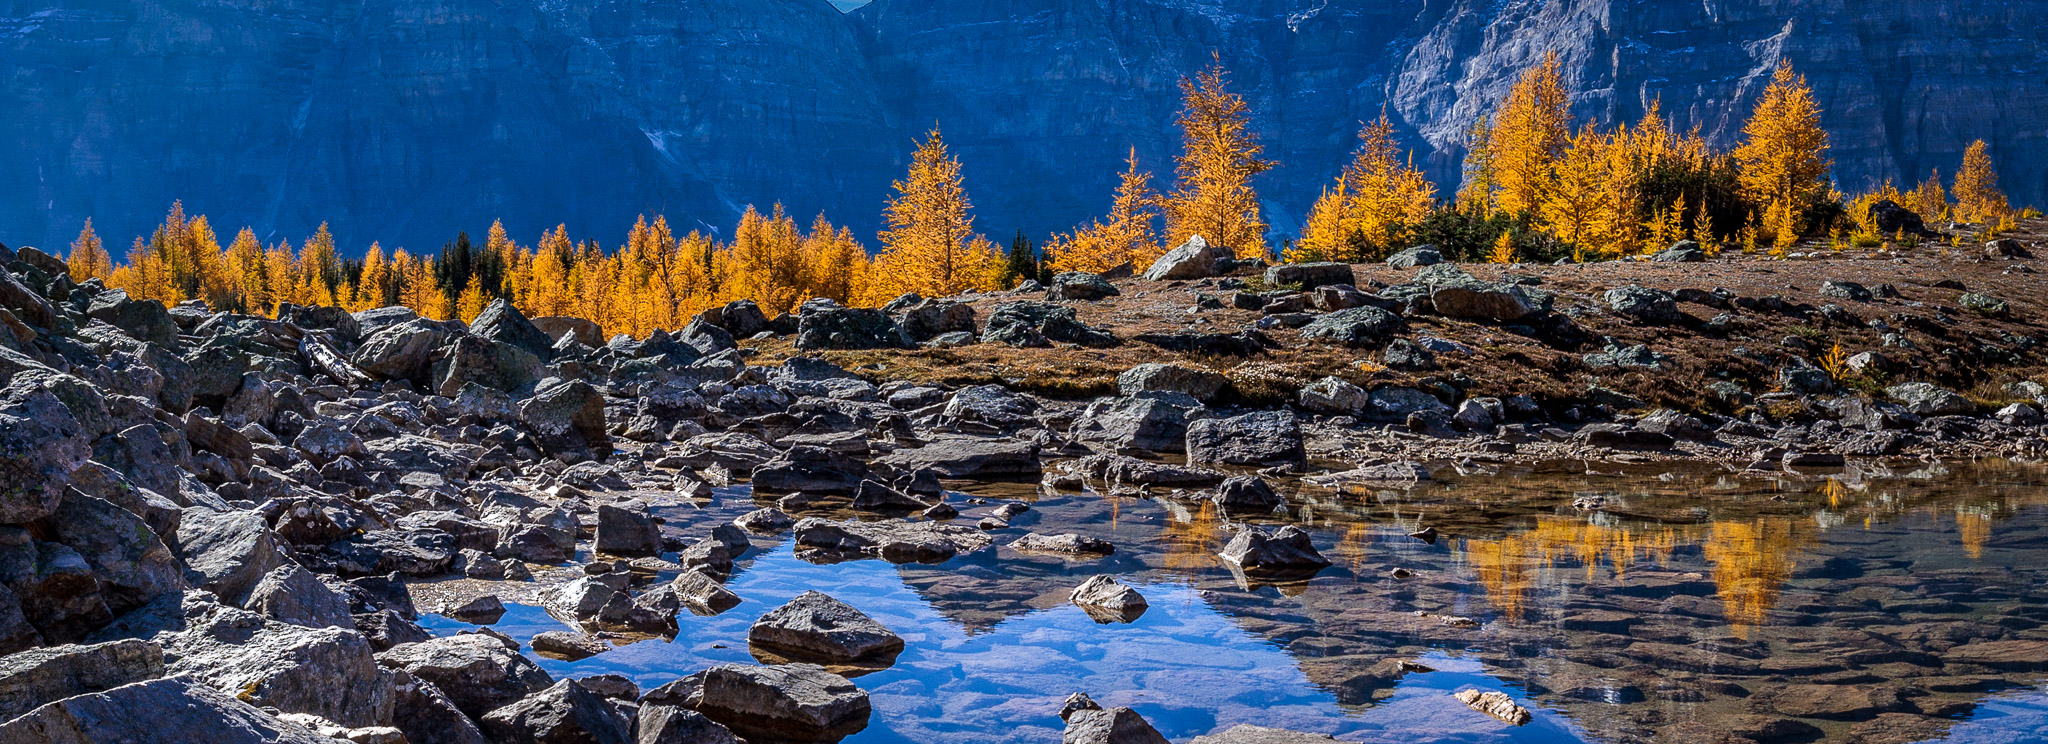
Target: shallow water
x: 1680, y: 604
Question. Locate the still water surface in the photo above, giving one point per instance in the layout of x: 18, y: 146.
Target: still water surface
x: 1617, y: 607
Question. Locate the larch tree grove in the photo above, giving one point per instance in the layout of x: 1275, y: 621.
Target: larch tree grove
x: 1128, y: 235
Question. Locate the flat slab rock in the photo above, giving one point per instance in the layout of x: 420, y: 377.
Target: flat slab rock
x: 897, y: 541
x: 967, y: 457
x: 816, y: 626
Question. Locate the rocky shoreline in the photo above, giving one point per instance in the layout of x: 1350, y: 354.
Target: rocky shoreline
x: 223, y: 528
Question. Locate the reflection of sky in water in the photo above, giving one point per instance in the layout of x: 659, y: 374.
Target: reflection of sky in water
x: 1187, y: 668
x: 2020, y: 718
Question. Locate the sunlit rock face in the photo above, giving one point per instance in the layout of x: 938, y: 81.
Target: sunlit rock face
x: 1029, y: 91
x: 404, y: 121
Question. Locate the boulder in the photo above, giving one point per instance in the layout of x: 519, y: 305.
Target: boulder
x: 1256, y: 438
x: 1107, y: 600
x: 928, y: 319
x: 1080, y: 285
x: 1494, y: 301
x: 1494, y: 703
x: 36, y: 677
x: 822, y: 326
x: 671, y: 724
x: 1890, y: 219
x: 1643, y: 304
x: 226, y: 552
x: 491, y: 364
x: 1928, y: 399
x: 988, y: 409
x: 426, y: 716
x: 801, y: 702
x: 1333, y: 396
x: 816, y: 627
x: 1028, y: 324
x: 1193, y: 259
x: 327, y: 672
x: 502, y: 323
x: 1416, y: 257
x: 627, y: 528
x: 478, y: 673
x: 291, y: 594
x: 703, y: 594
x: 1286, y: 551
x: 164, y: 711
x: 1069, y: 544
x: 1356, y: 327
x: 26, y: 304
x: 1684, y: 251
x: 568, y: 418
x: 1196, y: 382
x: 146, y: 320
x: 400, y: 352
x: 1146, y: 423
x: 564, y: 713
x: 132, y: 564
x: 40, y: 445
x: 1113, y: 726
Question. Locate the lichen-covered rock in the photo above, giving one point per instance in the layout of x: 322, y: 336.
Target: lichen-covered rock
x: 1256, y: 438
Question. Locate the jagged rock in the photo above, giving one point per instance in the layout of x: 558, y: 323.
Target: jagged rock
x: 1928, y: 399
x: 132, y: 565
x: 1027, y: 324
x: 568, y: 644
x: 328, y: 672
x: 1193, y: 259
x: 164, y: 711
x: 326, y: 441
x: 810, y: 469
x: 1288, y: 550
x: 1494, y: 301
x: 564, y: 713
x: 1256, y: 438
x: 568, y: 416
x: 968, y: 458
x: 1623, y: 436
x: 931, y: 319
x: 480, y: 361
x: 400, y: 352
x: 1643, y: 304
x: 730, y: 450
x: 1120, y: 469
x: 1983, y: 304
x: 1080, y: 285
x: 1113, y: 726
x: 1846, y: 290
x: 895, y: 541
x: 821, y: 326
x: 1684, y: 251
x: 1333, y: 396
x: 146, y: 320
x: 988, y: 409
x: 226, y: 552
x: 670, y: 724
x: 482, y: 610
x: 1416, y: 257
x: 291, y: 594
x: 802, y: 702
x: 1358, y: 327
x: 814, y: 626
x: 378, y: 552
x: 766, y: 520
x: 702, y: 593
x: 1496, y: 704
x: 627, y: 528
x: 502, y: 323
x: 874, y: 496
x: 1108, y: 600
x: 40, y: 445
x: 478, y: 673
x: 26, y: 304
x: 40, y: 676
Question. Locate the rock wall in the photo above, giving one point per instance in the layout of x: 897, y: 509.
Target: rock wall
x: 403, y: 122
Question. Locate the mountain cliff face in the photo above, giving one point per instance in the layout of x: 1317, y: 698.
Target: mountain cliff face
x: 403, y: 121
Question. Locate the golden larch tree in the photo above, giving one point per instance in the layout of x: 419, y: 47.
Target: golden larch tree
x: 1377, y: 198
x: 1213, y: 195
x: 930, y: 246
x: 1128, y: 235
x: 1783, y: 154
x: 89, y: 258
x: 1976, y: 187
x: 1530, y: 130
